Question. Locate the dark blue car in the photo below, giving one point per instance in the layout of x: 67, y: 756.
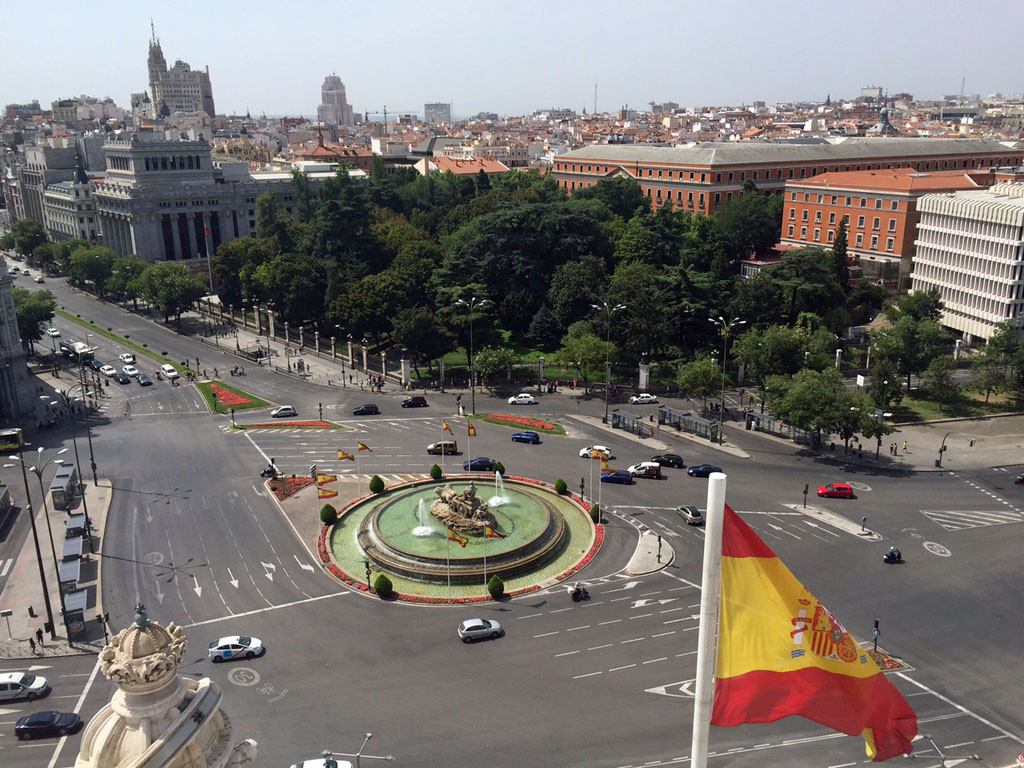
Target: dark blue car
x: 617, y: 476
x: 479, y: 464
x: 526, y: 437
x: 702, y: 470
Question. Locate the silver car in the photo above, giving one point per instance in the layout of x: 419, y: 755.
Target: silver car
x: 477, y: 629
x: 690, y: 514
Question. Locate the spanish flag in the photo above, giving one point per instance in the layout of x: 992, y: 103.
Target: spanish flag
x: 781, y: 653
x: 457, y: 537
x: 472, y: 429
x: 324, y: 479
x: 490, y: 533
x: 605, y: 466
x: 363, y: 447
x: 446, y: 428
x: 596, y: 454
x: 325, y: 493
x: 342, y: 456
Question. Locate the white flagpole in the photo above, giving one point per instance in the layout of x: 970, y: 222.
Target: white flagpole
x: 485, y: 558
x: 707, y: 635
x: 442, y: 449
x: 469, y: 446
x: 448, y: 557
x: 359, y: 474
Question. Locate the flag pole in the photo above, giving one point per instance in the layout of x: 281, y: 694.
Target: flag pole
x: 485, y: 558
x: 448, y: 558
x: 707, y: 635
x: 442, y: 448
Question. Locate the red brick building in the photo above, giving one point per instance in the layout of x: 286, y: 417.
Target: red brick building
x: 880, y: 208
x: 701, y: 177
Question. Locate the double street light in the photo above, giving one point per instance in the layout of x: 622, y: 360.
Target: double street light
x: 473, y: 304
x: 609, y: 311
x: 726, y: 328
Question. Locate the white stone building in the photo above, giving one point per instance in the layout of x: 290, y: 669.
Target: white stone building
x: 334, y: 108
x: 970, y: 245
x: 178, y: 89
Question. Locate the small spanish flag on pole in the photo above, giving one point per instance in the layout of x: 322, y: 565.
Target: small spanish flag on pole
x: 342, y: 456
x: 325, y: 493
x: 446, y: 428
x: 324, y: 479
x: 457, y: 537
x: 363, y: 447
x: 471, y: 428
x: 490, y: 533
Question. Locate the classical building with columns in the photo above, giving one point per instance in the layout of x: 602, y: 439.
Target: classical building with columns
x: 169, y: 200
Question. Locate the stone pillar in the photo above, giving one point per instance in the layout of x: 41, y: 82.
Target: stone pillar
x: 334, y: 350
x: 441, y: 367
x: 645, y: 376
x: 175, y: 236
x: 350, y: 353
x: 384, y: 364
x: 190, y: 225
x: 365, y: 350
x: 540, y: 369
x: 270, y: 319
x: 316, y: 341
x: 287, y: 335
x: 406, y: 371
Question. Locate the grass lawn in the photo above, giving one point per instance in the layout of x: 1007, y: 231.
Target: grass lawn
x: 917, y: 407
x: 140, y: 348
x: 218, y: 406
x: 524, y: 423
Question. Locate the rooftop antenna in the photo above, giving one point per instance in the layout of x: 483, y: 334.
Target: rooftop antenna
x: 152, y: 30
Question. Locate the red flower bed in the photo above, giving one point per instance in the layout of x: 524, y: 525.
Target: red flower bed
x: 306, y: 424
x: 522, y: 421
x: 283, y: 487
x: 228, y: 398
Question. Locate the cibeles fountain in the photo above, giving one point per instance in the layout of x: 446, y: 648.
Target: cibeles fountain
x: 517, y: 529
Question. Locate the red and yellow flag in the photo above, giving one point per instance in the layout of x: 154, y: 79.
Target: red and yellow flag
x: 457, y: 537
x: 596, y: 454
x: 342, y: 456
x: 472, y: 429
x: 446, y: 428
x: 325, y: 493
x: 324, y: 479
x: 363, y: 447
x: 781, y: 653
x: 605, y: 466
x: 490, y: 533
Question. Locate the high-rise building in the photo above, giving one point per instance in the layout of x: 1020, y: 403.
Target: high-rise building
x: 178, y: 89
x: 334, y: 109
x: 437, y: 113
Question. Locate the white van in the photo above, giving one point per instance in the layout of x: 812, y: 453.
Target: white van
x: 22, y: 685
x: 170, y: 371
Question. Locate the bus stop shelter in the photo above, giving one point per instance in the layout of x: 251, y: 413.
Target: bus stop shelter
x: 74, y: 614
x: 69, y: 573
x: 688, y: 422
x: 631, y: 422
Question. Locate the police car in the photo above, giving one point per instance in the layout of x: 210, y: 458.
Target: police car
x: 236, y: 646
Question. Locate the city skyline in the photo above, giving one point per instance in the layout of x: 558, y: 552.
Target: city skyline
x: 534, y: 57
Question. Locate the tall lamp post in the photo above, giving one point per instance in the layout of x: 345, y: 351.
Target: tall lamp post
x: 609, y: 311
x: 726, y: 328
x: 65, y: 399
x: 473, y: 304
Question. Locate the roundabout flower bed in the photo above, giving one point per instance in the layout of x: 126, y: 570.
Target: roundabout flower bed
x: 283, y: 487
x: 291, y: 425
x: 523, y: 422
x: 219, y: 397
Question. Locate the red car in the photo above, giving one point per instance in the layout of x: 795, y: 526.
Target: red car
x: 837, y: 491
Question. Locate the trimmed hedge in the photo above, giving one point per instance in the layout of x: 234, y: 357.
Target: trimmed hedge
x: 499, y: 468
x: 595, y: 513
x: 496, y: 587
x: 328, y: 515
x: 376, y: 484
x: 560, y: 487
x: 383, y: 587
x: 435, y: 472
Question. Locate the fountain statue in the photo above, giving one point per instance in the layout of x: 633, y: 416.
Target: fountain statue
x: 465, y: 512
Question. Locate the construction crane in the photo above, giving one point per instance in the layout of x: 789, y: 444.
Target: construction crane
x: 384, y: 112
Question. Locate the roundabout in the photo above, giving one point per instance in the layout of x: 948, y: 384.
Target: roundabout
x: 441, y: 540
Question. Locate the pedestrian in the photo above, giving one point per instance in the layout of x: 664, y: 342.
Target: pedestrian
x: 39, y: 635
x: 32, y: 645
x: 204, y: 373
x: 904, y: 446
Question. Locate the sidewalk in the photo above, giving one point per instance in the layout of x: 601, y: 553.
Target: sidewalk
x: 22, y: 593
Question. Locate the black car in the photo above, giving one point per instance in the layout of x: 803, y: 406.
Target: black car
x: 143, y: 380
x: 415, y: 402
x: 526, y: 437
x: 44, y: 724
x: 366, y: 410
x: 123, y: 378
x: 479, y: 464
x: 93, y: 363
x: 669, y: 460
x: 702, y: 470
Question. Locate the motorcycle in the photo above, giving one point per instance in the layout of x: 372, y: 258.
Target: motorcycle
x: 578, y: 593
x: 270, y: 472
x: 893, y: 556
x: 1018, y: 480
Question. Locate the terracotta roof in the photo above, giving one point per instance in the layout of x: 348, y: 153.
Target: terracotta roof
x: 906, y: 180
x: 477, y: 164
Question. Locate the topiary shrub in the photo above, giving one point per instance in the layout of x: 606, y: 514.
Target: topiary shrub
x: 595, y: 513
x: 383, y: 587
x: 560, y: 487
x: 499, y: 468
x: 328, y: 515
x: 496, y: 587
x: 376, y: 484
x: 435, y: 472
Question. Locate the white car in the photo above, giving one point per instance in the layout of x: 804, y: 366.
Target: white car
x: 108, y: 370
x: 235, y: 647
x: 52, y: 332
x: 126, y: 357
x: 130, y: 370
x: 284, y: 410
x: 39, y: 279
x: 477, y: 629
x: 523, y: 398
x: 644, y: 398
x: 322, y: 762
x: 588, y: 452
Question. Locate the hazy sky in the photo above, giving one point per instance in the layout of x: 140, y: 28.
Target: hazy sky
x: 515, y: 56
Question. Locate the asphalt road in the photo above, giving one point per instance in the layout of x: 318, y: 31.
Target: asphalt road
x: 604, y: 683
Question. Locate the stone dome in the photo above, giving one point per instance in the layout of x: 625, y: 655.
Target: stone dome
x: 144, y: 638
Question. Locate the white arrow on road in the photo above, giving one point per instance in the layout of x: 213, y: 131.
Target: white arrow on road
x: 777, y: 528
x: 149, y: 515
x: 256, y: 490
x: 196, y: 588
x: 268, y: 569
x: 232, y: 580
x: 159, y: 594
x: 642, y: 603
x: 628, y: 585
x: 9, y: 711
x: 302, y: 565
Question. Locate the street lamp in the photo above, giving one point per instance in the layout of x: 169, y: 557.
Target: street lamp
x: 609, y: 311
x: 68, y: 403
x: 726, y: 329
x: 471, y: 305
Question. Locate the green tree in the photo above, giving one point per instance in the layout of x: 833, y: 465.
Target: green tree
x: 884, y: 387
x: 545, y: 330
x: 491, y: 362
x: 777, y: 350
x: 32, y: 309
x: 171, y: 287
x: 62, y: 252
x: 328, y: 515
x: 813, y: 400
x: 575, y: 286
x: 273, y: 222
x: 422, y: 334
x: 808, y: 281
x: 93, y: 265
x: 920, y: 305
x: 303, y: 194
x: 701, y: 377
x: 230, y: 262
x: 124, y: 278
x: 940, y: 382
x: 622, y: 195
x: 988, y: 368
x: 295, y: 282
x: 27, y: 235
x: 839, y: 256
x: 44, y: 257
x: 912, y: 344
x: 758, y: 299
x: 586, y: 352
x: 749, y: 224
x: 495, y: 586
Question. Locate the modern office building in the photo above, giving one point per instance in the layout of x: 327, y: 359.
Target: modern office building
x: 437, y: 113
x: 970, y: 246
x: 334, y: 108
x: 703, y: 176
x: 178, y: 89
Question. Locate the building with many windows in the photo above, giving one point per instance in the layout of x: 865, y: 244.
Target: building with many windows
x: 437, y: 112
x: 334, y: 108
x: 178, y: 89
x: 700, y: 177
x: 880, y: 208
x: 970, y: 246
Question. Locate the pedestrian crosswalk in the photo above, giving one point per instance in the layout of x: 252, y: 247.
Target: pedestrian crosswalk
x: 958, y: 520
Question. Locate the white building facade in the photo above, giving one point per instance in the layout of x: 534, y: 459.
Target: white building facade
x: 970, y: 245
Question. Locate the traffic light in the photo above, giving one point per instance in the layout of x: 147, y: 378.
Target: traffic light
x: 312, y: 471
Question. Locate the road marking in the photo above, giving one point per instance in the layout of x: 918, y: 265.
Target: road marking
x: 264, y: 610
x: 302, y: 565
x: 616, y: 599
x: 567, y: 653
x: 612, y: 621
x: 575, y: 677
x: 662, y: 634
x: 626, y: 666
x: 573, y: 629
x: 562, y: 610
x: 966, y: 711
x: 599, y: 647
x: 628, y: 585
x: 655, y: 661
x: 7, y: 567
x: 530, y: 616
x: 244, y: 677
x: 76, y: 710
x: 641, y: 616
x: 547, y: 634
x: 634, y: 640
x: 645, y: 603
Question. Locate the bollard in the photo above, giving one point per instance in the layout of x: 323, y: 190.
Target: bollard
x: 32, y: 612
